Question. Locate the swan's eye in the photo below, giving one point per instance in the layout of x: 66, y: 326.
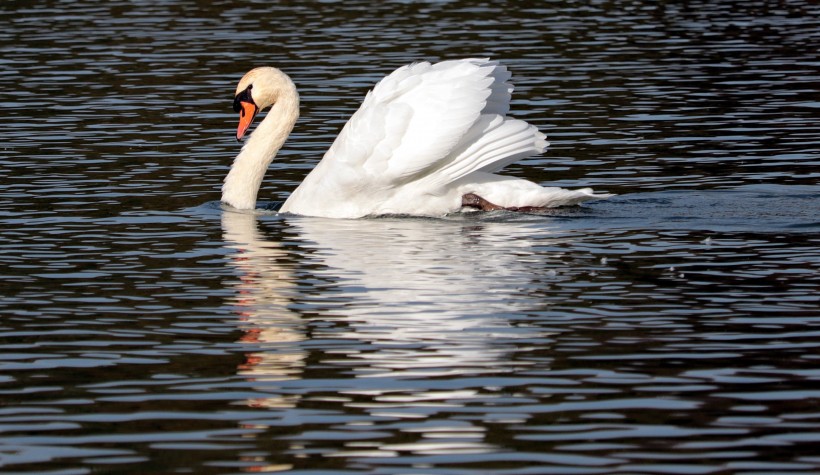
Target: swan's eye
x: 244, y: 96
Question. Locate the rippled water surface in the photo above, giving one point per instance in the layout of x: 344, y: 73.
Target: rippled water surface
x: 673, y: 329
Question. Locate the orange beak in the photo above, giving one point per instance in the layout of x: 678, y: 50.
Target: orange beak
x: 246, y: 115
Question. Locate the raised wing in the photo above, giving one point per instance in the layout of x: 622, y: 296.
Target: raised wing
x: 421, y: 118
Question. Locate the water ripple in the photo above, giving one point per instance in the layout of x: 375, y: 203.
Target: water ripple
x: 671, y: 329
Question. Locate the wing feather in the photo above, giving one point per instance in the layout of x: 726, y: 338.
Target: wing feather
x: 413, y: 120
x: 492, y: 143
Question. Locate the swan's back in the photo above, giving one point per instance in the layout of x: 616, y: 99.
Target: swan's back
x: 421, y: 131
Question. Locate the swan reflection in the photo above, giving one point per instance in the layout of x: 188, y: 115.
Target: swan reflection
x: 263, y: 294
x: 381, y: 298
x: 421, y: 296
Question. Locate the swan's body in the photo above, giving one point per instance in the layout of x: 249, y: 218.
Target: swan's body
x: 426, y: 137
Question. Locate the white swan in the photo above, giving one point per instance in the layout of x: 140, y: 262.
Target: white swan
x: 426, y: 141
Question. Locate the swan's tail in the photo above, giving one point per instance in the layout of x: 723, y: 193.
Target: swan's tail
x: 491, y: 144
x: 553, y: 197
x: 512, y: 192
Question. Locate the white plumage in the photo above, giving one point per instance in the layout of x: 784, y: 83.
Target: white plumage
x: 425, y: 136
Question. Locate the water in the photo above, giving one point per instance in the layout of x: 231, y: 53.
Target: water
x: 672, y: 329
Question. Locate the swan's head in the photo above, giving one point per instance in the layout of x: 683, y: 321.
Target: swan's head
x: 258, y: 89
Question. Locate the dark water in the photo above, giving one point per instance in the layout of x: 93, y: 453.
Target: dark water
x: 674, y: 329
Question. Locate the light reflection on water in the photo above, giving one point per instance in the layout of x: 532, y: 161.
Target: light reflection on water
x: 671, y: 329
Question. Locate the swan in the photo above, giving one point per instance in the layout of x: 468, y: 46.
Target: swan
x: 427, y: 140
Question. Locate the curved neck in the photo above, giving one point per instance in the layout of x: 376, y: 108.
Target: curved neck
x: 243, y: 181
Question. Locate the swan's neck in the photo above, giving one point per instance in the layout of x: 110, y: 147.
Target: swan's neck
x: 243, y: 181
